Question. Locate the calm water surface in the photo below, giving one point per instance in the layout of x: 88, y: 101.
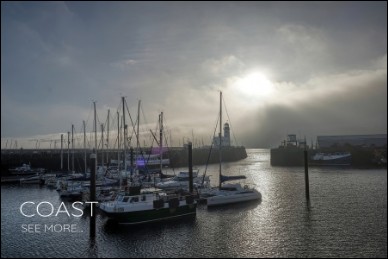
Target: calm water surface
x: 346, y: 217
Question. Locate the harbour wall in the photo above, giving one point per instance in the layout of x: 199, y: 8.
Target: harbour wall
x: 51, y: 159
x: 362, y: 157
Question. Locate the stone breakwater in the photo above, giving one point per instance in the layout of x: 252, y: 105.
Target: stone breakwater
x: 51, y: 159
x: 362, y: 157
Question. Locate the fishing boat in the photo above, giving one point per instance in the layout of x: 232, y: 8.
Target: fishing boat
x: 150, y: 205
x: 228, y: 193
x: 331, y: 159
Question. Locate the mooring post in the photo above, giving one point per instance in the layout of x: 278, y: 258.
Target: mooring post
x: 190, y: 146
x: 306, y: 175
x: 93, y: 165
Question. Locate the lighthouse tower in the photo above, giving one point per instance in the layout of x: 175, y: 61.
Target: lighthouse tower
x: 226, y: 140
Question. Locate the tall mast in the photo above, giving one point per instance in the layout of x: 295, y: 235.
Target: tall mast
x: 161, y: 140
x: 61, y: 152
x: 68, y: 151
x: 118, y: 141
x: 84, y: 145
x: 107, y: 141
x: 102, y: 145
x: 138, y: 125
x: 220, y: 137
x: 125, y: 137
x: 72, y: 147
x: 95, y: 136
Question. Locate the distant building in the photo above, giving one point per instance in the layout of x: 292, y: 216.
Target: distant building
x: 225, y: 140
x: 378, y: 140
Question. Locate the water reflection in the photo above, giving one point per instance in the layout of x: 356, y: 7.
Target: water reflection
x: 346, y: 217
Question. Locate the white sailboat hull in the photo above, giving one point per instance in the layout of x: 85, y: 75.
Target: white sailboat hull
x: 228, y: 197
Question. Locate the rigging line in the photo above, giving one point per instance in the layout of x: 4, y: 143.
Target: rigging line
x: 148, y: 157
x: 142, y: 112
x: 153, y: 139
x: 144, y: 118
x: 76, y: 140
x: 210, y: 151
x: 98, y: 119
x: 89, y: 115
x: 114, y: 123
x: 173, y: 168
x: 133, y: 126
x: 230, y: 123
x: 114, y: 120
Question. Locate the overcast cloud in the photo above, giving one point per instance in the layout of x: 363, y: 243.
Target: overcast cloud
x: 309, y: 68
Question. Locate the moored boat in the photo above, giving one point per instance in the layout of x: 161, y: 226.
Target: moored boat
x: 35, y: 179
x: 331, y: 159
x: 231, y: 193
x: 228, y: 193
x: 181, y: 181
x: 26, y: 170
x: 149, y: 206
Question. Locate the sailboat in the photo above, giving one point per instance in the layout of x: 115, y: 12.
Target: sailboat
x: 228, y: 193
x: 181, y: 181
x: 149, y: 205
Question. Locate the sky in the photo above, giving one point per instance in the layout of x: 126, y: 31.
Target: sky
x: 305, y: 68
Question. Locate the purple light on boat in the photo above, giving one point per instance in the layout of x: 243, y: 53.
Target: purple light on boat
x: 156, y: 150
x: 140, y: 162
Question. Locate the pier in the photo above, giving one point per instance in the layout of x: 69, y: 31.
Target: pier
x: 50, y: 159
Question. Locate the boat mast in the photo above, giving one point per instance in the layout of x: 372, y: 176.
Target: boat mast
x: 102, y: 145
x: 72, y: 147
x: 118, y: 142
x: 220, y: 137
x: 61, y: 152
x: 138, y: 153
x: 68, y: 151
x: 161, y: 140
x: 138, y: 125
x: 95, y: 137
x: 107, y: 141
x: 84, y: 145
x: 125, y: 137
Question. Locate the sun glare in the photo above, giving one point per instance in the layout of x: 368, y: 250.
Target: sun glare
x: 255, y: 85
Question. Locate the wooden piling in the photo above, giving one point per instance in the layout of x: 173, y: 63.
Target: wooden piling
x: 190, y: 146
x: 306, y: 175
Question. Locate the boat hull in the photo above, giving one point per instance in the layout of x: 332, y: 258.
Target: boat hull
x: 223, y: 199
x: 331, y: 160
x: 152, y: 215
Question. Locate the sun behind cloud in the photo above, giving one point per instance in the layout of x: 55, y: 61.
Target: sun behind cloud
x: 255, y: 85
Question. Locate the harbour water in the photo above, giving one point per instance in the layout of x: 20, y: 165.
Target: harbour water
x: 346, y: 217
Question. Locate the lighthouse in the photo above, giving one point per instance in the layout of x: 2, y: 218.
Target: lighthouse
x: 226, y: 140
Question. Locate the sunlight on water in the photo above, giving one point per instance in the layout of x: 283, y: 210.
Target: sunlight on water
x: 347, y: 218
